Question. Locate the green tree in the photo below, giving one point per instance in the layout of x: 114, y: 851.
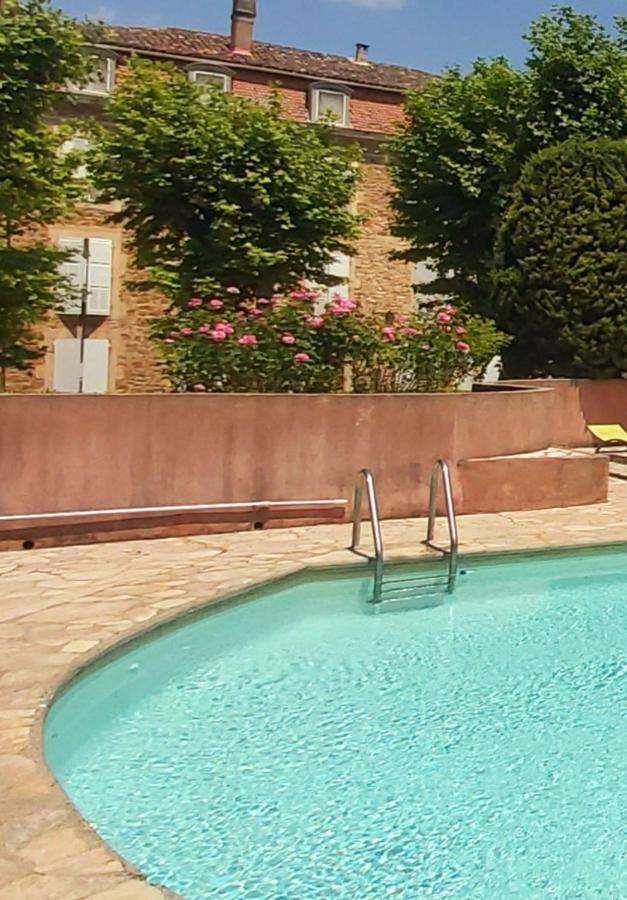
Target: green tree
x: 40, y: 49
x: 467, y: 137
x: 560, y: 270
x: 213, y: 186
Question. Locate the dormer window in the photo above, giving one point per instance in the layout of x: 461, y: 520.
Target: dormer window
x: 329, y: 103
x: 101, y: 78
x: 210, y: 78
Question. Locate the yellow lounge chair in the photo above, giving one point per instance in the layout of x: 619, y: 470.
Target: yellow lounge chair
x: 611, y: 437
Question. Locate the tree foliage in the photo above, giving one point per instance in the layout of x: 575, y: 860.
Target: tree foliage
x: 468, y: 136
x: 560, y: 270
x: 214, y: 186
x: 40, y: 49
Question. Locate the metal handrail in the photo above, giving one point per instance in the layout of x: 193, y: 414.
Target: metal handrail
x: 252, y: 505
x: 442, y: 467
x: 365, y: 479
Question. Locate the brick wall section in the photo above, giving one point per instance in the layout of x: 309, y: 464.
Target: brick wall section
x: 378, y: 282
x: 369, y: 110
x: 375, y: 111
x: 293, y: 92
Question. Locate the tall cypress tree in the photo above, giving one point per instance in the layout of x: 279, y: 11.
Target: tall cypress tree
x: 560, y: 271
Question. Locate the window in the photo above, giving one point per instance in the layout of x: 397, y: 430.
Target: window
x: 89, y: 271
x: 205, y: 79
x: 424, y: 274
x: 101, y: 78
x: 339, y: 268
x: 73, y: 144
x: 72, y: 375
x: 327, y: 103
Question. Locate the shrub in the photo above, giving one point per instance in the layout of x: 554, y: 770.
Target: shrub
x: 224, y: 342
x: 561, y: 263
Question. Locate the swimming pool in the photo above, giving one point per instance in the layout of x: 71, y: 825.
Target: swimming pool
x: 296, y: 745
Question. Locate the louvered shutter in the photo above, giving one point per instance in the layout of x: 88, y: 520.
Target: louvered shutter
x: 95, y: 366
x: 74, y: 269
x: 67, y: 365
x: 339, y: 268
x: 99, y: 293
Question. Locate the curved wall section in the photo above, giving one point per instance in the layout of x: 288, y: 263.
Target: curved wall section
x: 60, y: 453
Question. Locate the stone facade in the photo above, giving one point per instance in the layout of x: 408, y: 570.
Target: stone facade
x: 375, y: 279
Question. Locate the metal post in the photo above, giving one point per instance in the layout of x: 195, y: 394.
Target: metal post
x: 81, y: 323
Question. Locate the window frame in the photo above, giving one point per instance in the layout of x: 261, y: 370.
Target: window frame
x: 314, y: 102
x: 203, y: 69
x: 110, y: 59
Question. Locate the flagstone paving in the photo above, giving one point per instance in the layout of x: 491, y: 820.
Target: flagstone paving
x: 62, y: 606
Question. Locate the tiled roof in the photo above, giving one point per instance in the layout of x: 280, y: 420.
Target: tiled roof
x: 177, y: 42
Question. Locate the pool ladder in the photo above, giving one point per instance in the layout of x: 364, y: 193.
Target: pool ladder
x: 399, y: 588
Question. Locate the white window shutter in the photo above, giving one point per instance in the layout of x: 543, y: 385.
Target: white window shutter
x: 95, y: 366
x: 99, y: 293
x: 340, y: 268
x: 73, y: 144
x: 74, y: 270
x: 67, y: 365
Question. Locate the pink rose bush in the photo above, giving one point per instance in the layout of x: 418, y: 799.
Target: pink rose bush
x: 230, y: 343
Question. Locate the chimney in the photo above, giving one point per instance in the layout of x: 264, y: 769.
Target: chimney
x: 242, y: 24
x: 361, y: 53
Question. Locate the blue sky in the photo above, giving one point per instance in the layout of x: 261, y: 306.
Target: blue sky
x: 425, y: 34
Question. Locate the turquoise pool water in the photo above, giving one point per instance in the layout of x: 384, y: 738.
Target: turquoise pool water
x: 299, y: 746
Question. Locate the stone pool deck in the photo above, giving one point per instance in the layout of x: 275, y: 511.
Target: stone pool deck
x: 61, y: 607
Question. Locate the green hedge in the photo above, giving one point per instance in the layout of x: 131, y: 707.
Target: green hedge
x: 561, y: 263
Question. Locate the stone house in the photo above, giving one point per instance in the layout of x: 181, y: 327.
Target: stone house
x: 109, y: 348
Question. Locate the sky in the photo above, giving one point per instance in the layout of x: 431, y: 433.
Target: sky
x: 423, y: 34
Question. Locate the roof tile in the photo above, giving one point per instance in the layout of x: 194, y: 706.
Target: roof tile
x: 177, y: 42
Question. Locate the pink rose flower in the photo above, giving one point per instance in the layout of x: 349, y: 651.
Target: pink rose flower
x: 253, y: 311
x: 186, y: 331
x: 462, y: 346
x: 216, y: 303
x: 198, y: 388
x: 232, y: 290
x: 247, y: 340
x: 174, y: 334
x: 315, y: 321
x: 389, y: 333
x: 263, y: 301
x: 443, y: 318
x: 195, y: 301
x: 288, y: 339
x: 168, y: 340
x: 451, y: 310
x: 301, y: 357
x: 341, y: 305
x: 204, y: 329
x: 411, y: 332
x: 460, y: 330
x: 299, y: 295
x: 218, y: 335
x: 311, y: 295
x: 226, y: 327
